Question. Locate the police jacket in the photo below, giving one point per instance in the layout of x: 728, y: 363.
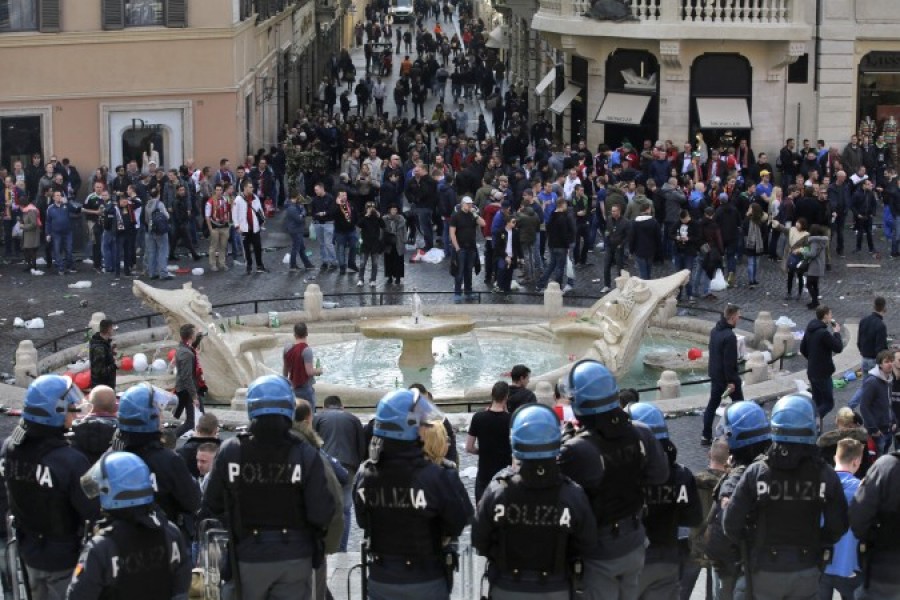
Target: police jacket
x: 673, y: 504
x: 93, y: 435
x: 41, y: 476
x: 270, y: 488
x: 103, y: 361
x: 177, y: 492
x: 531, y: 527
x: 875, y: 517
x: 399, y: 491
x: 722, y: 551
x: 612, y: 459
x: 140, y: 557
x: 789, y: 506
x: 723, y: 355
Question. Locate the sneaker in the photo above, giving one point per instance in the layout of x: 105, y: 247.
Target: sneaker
x: 238, y: 263
x: 705, y: 442
x: 214, y: 269
x: 457, y: 299
x: 353, y: 269
x: 359, y: 283
x: 293, y: 269
x: 568, y: 288
x: 372, y: 283
x: 261, y: 270
x: 224, y: 267
x: 71, y: 270
x: 167, y: 277
x: 470, y: 297
x: 399, y: 281
x: 605, y: 289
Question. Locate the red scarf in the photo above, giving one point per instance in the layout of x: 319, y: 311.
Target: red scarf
x: 249, y: 213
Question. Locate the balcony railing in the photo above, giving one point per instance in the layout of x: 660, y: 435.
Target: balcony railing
x: 746, y: 12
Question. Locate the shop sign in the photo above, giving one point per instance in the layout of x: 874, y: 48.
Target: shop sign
x: 880, y: 61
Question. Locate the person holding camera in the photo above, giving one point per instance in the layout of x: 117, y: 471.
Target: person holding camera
x: 371, y: 229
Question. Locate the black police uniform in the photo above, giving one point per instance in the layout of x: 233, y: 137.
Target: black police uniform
x: 42, y: 476
x: 789, y: 506
x: 875, y: 520
x: 674, y: 504
x: 723, y: 553
x: 531, y: 526
x: 93, y: 435
x: 176, y: 492
x: 273, y: 494
x: 407, y: 505
x: 136, y: 555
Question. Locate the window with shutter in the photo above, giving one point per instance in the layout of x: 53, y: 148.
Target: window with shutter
x: 113, y: 14
x: 176, y: 13
x: 18, y: 15
x: 49, y: 16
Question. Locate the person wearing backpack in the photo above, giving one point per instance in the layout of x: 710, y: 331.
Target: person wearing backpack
x: 875, y: 402
x: 157, y: 218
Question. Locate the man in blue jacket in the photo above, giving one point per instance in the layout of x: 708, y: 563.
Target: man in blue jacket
x: 59, y: 231
x: 295, y: 225
x: 843, y: 573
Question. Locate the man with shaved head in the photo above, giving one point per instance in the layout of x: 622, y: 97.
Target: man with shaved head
x: 93, y: 433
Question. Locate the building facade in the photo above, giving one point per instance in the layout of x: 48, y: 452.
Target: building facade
x: 761, y: 70
x: 103, y: 82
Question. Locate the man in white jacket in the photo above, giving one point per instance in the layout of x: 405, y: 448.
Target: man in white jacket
x: 247, y: 217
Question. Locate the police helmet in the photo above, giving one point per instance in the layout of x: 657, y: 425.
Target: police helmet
x: 400, y: 413
x: 120, y: 479
x: 650, y: 416
x: 138, y: 413
x: 745, y: 424
x: 48, y: 400
x: 535, y: 432
x: 270, y: 395
x: 794, y: 420
x: 592, y: 387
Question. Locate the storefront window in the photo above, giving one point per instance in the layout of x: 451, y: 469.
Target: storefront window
x: 879, y: 96
x: 18, y: 15
x: 20, y: 138
x: 144, y: 13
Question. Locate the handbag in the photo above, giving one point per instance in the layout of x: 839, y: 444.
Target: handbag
x: 794, y: 260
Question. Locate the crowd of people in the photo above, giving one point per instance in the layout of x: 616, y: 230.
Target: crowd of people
x: 578, y: 487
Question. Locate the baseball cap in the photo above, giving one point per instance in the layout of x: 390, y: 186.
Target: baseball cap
x: 467, y: 200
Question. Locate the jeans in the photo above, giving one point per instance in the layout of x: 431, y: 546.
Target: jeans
x: 490, y: 266
x: 308, y: 393
x: 325, y: 233
x: 157, y: 254
x: 253, y: 248
x: 344, y: 241
x: 752, y: 265
x: 111, y: 256
x: 582, y: 242
x: 864, y: 226
x: 643, y: 265
x: 715, y: 399
x: 48, y: 585
x: 186, y: 405
x: 838, y: 228
x: 731, y: 253
x: 823, y: 394
x: 615, y: 255
x: 686, y: 261
x: 867, y: 365
x: 532, y: 259
x: 895, y: 240
x: 62, y: 250
x: 298, y: 248
x: 504, y: 275
x: 234, y: 242
x: 347, y: 490
x: 699, y: 278
x: 366, y: 258
x: 463, y: 281
x: 424, y: 215
x: 556, y: 270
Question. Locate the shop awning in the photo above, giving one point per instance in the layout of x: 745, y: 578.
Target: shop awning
x: 497, y: 38
x: 563, y: 101
x: 723, y: 113
x: 622, y: 109
x: 544, y: 83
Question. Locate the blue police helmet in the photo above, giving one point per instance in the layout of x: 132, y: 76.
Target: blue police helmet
x: 794, y: 420
x: 48, y: 400
x: 535, y: 432
x: 400, y: 413
x: 138, y: 413
x: 745, y: 424
x: 650, y: 416
x: 270, y: 395
x: 120, y: 479
x: 592, y: 387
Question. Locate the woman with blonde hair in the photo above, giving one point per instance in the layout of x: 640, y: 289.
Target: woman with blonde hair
x: 436, y: 443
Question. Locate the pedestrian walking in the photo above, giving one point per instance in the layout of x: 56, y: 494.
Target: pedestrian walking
x: 725, y: 380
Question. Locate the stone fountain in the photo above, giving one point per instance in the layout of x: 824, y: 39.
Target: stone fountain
x: 416, y: 333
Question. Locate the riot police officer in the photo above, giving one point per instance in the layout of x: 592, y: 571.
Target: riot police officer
x: 612, y: 459
x: 42, y: 474
x: 789, y: 507
x: 270, y: 489
x: 532, y: 522
x: 407, y: 505
x: 177, y: 493
x: 136, y: 554
x: 746, y: 429
x: 670, y: 505
x: 875, y: 520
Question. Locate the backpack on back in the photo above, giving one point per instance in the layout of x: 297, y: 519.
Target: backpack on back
x: 159, y: 223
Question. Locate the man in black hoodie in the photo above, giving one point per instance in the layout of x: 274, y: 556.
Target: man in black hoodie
x: 103, y: 357
x: 821, y: 340
x: 519, y: 394
x: 725, y: 380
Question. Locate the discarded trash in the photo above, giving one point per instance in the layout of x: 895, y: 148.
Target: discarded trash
x: 87, y: 261
x: 197, y: 271
x: 37, y: 272
x: 36, y: 323
x: 274, y: 320
x: 18, y: 322
x: 83, y: 303
x: 80, y: 285
x: 469, y: 472
x: 172, y: 268
x: 784, y: 320
x: 287, y: 259
x: 41, y: 262
x: 57, y: 313
x: 330, y: 304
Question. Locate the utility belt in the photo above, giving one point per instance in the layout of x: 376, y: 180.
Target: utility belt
x: 534, y: 576
x: 274, y: 536
x: 426, y: 564
x: 623, y: 525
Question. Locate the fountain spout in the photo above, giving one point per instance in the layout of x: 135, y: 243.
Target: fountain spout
x: 417, y: 308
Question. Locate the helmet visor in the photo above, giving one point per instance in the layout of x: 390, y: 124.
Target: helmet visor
x: 163, y: 398
x: 92, y: 481
x: 72, y: 396
x: 423, y: 410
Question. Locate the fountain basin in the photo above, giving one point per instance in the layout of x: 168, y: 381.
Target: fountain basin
x: 416, y: 334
